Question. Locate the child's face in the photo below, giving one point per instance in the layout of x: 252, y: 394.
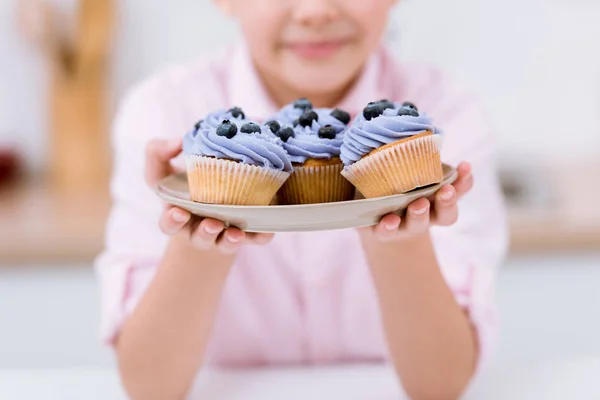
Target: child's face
x: 313, y: 46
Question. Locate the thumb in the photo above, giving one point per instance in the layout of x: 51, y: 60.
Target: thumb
x: 159, y: 153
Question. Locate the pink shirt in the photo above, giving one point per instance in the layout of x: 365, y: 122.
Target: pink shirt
x: 306, y: 297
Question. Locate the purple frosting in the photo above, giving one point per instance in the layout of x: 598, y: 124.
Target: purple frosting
x: 365, y: 136
x: 306, y: 143
x: 288, y: 114
x: 260, y: 149
x: 325, y: 118
x: 214, y: 119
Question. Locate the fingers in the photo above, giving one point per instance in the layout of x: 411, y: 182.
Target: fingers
x: 464, y: 182
x: 387, y: 229
x: 464, y: 168
x: 392, y: 228
x: 417, y: 217
x: 231, y: 240
x: 440, y: 209
x: 445, y: 212
x: 158, y: 156
x: 205, y: 234
x: 173, y: 220
x: 446, y: 207
x: 211, y: 233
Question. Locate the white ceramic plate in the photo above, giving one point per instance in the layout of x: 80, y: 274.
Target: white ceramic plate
x: 297, y: 218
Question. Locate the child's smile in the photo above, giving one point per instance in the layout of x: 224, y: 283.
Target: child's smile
x: 316, y: 50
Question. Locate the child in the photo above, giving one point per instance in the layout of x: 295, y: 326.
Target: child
x: 415, y: 291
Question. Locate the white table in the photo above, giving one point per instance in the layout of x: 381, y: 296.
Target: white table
x: 557, y: 380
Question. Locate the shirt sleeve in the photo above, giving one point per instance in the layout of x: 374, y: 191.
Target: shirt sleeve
x: 470, y: 251
x: 133, y: 243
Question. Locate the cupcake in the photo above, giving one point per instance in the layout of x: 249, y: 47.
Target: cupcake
x: 391, y: 150
x: 313, y: 143
x: 231, y: 164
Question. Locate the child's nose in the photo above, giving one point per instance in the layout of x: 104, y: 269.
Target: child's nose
x: 315, y: 12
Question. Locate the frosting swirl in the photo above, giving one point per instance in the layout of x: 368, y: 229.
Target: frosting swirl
x: 288, y: 114
x: 307, y: 143
x: 260, y: 149
x: 214, y: 119
x: 325, y: 118
x: 365, y: 136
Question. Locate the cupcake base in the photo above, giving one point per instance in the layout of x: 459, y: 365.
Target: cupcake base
x: 219, y: 181
x: 398, y: 167
x: 316, y: 181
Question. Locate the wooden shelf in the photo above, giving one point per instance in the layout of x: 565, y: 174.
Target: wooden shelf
x: 551, y: 235
x: 62, y: 218
x: 571, y: 222
x: 41, y: 224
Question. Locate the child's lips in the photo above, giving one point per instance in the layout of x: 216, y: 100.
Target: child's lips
x: 314, y: 50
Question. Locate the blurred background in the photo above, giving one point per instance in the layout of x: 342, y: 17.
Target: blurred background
x: 64, y: 65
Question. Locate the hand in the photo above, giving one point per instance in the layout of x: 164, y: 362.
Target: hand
x: 441, y: 209
x: 204, y: 234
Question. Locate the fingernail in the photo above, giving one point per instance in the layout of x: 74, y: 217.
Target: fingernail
x: 179, y: 216
x: 420, y: 211
x: 390, y: 227
x: 447, y: 195
x: 212, y: 230
x: 233, y: 239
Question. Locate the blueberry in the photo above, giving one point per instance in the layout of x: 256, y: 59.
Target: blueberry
x: 372, y: 110
x: 250, y: 127
x: 408, y: 104
x: 237, y: 112
x: 273, y: 126
x: 408, y: 111
x: 296, y: 122
x: 307, y: 118
x: 327, y: 132
x: 227, y: 129
x: 285, y: 133
x: 197, y: 126
x: 385, y: 103
x: 303, y: 103
x: 341, y: 116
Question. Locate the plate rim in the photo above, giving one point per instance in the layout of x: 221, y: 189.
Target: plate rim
x: 165, y: 195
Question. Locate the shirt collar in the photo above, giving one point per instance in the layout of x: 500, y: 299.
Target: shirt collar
x: 247, y: 91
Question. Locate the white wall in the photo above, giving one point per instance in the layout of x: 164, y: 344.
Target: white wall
x: 152, y: 34
x: 535, y: 62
